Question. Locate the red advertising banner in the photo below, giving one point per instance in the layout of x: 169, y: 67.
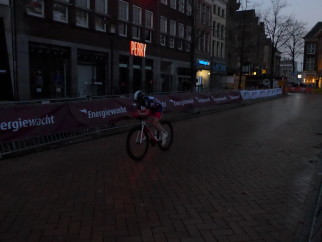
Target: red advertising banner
x: 22, y: 122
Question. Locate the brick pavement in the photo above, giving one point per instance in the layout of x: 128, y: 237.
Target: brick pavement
x: 226, y: 185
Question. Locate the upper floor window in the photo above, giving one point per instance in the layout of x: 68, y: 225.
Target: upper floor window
x: 310, y: 64
x: 148, y: 19
x: 188, y: 33
x: 137, y: 15
x: 189, y: 8
x: 148, y: 25
x: 123, y: 11
x: 35, y: 8
x: 60, y: 12
x: 173, y: 4
x: 123, y: 15
x: 101, y: 6
x: 82, y: 15
x: 181, y: 31
x: 163, y: 25
x: 164, y: 2
x: 137, y: 21
x: 173, y: 29
x: 310, y: 48
x: 82, y: 3
x: 181, y: 5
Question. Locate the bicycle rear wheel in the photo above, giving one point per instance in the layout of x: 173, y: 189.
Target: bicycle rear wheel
x: 137, y: 146
x: 169, y: 130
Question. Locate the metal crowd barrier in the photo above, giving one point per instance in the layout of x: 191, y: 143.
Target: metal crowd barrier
x: 17, y: 147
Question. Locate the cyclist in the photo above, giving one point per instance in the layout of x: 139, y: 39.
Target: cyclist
x: 150, y: 107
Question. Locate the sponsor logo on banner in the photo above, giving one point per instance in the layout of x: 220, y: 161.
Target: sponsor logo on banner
x: 18, y: 124
x: 103, y: 113
x: 182, y: 102
x: 203, y: 100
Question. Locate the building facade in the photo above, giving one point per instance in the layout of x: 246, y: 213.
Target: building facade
x: 218, y: 42
x: 312, y: 68
x: 7, y: 43
x: 78, y: 48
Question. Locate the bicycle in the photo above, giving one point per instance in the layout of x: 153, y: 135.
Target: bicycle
x: 140, y: 137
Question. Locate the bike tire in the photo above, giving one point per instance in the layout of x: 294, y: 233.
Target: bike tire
x: 167, y: 126
x: 135, y: 150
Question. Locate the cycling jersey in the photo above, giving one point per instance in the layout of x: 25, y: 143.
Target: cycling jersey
x: 152, y: 104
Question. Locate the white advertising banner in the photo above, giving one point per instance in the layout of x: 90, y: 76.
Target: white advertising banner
x: 255, y: 94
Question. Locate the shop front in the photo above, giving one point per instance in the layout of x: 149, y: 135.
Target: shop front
x: 202, y: 75
x: 49, y: 71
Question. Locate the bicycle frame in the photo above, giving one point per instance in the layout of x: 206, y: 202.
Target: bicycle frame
x: 144, y: 126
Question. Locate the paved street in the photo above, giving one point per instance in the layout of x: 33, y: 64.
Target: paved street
x: 244, y: 174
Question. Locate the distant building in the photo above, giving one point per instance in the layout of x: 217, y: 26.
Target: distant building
x: 286, y: 70
x: 312, y: 68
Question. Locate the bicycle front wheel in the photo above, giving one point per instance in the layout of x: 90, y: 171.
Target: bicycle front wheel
x: 137, y: 143
x: 169, y: 130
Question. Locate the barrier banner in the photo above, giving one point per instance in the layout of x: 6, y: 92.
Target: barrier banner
x: 255, y: 94
x: 21, y: 122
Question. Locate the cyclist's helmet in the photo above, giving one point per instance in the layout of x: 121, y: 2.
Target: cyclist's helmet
x: 138, y: 96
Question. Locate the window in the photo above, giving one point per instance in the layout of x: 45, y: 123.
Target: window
x: 82, y: 15
x: 189, y: 9
x: 180, y: 44
x: 82, y: 3
x: 223, y: 13
x: 188, y: 33
x: 101, y: 6
x: 181, y: 31
x: 137, y: 15
x: 163, y: 25
x: 181, y: 5
x: 173, y: 32
x: 137, y: 21
x: 173, y: 29
x: 164, y: 2
x: 123, y: 11
x: 310, y: 48
x: 60, y: 12
x: 100, y: 24
x: 163, y: 30
x: 173, y: 4
x: 35, y: 8
x: 123, y: 16
x: 310, y: 64
x: 148, y: 26
x: 214, y: 29
x: 214, y: 9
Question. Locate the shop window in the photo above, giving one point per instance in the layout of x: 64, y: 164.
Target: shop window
x: 60, y: 12
x: 35, y: 8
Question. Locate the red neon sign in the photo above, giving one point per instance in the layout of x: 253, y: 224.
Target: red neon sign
x: 137, y: 48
